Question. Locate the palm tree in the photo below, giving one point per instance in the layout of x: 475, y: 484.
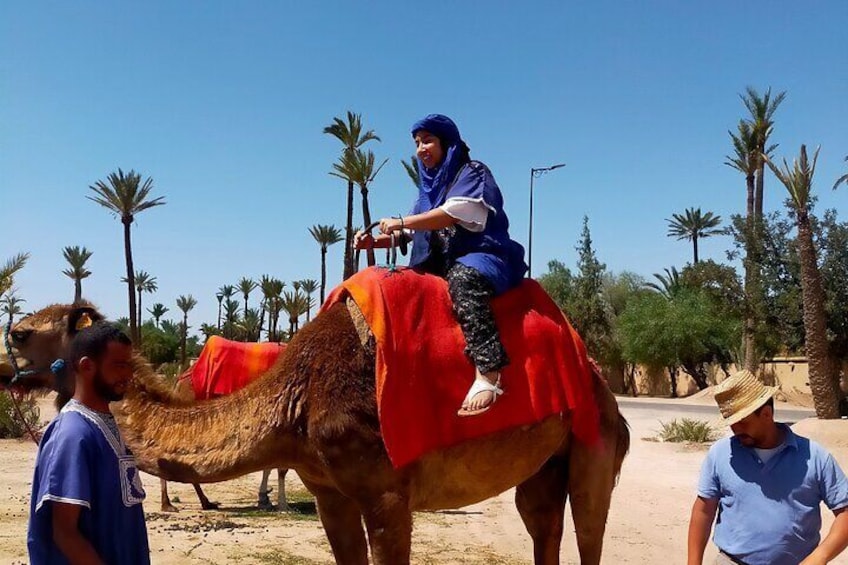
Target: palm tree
x: 208, y: 330
x: 325, y: 236
x: 126, y: 197
x: 246, y: 286
x: 295, y: 305
x: 762, y: 109
x: 250, y: 325
x: 185, y: 304
x: 9, y: 269
x: 358, y: 166
x: 843, y: 178
x: 412, y: 170
x: 309, y: 286
x: 272, y: 289
x: 143, y: 283
x: 11, y: 305
x: 231, y: 308
x: 693, y: 225
x: 77, y: 256
x: 157, y: 311
x: 352, y: 137
x: 747, y: 161
x: 668, y: 285
x: 798, y: 181
x: 225, y: 291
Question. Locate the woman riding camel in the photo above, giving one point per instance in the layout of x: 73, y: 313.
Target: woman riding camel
x: 460, y: 231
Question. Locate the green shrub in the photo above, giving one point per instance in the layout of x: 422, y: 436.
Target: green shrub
x: 685, y: 429
x: 10, y: 423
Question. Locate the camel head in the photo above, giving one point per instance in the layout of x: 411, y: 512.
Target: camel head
x: 38, y: 340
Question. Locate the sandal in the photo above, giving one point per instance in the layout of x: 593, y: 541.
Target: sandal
x: 480, y: 385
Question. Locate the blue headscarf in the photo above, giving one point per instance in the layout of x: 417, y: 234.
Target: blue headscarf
x: 434, y: 181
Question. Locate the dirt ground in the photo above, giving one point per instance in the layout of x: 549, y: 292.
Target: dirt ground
x: 647, y: 522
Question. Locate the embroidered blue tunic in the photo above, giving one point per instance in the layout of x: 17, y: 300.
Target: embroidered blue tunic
x: 490, y: 251
x: 769, y: 512
x: 82, y: 460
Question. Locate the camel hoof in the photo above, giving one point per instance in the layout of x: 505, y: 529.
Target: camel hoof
x: 211, y: 505
x: 169, y: 508
x: 284, y: 508
x: 264, y: 503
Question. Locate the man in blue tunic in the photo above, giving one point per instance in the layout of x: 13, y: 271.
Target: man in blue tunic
x: 766, y: 484
x: 86, y: 492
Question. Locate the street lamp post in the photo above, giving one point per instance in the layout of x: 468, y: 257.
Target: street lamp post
x: 535, y: 173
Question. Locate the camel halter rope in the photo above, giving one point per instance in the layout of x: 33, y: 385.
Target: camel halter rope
x: 55, y: 368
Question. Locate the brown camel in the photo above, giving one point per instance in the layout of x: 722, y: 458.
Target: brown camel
x: 184, y: 390
x: 315, y: 412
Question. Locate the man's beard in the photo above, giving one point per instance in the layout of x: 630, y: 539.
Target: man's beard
x: 105, y: 391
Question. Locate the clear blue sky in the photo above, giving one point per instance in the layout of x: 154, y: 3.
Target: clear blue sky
x: 223, y: 104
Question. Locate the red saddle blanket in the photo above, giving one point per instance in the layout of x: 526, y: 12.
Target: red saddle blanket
x: 226, y: 366
x: 423, y: 374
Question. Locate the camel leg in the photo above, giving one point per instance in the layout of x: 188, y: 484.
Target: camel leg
x: 166, y: 501
x: 378, y: 492
x: 389, y: 523
x: 282, y: 504
x: 593, y: 471
x: 264, y: 500
x: 342, y: 523
x: 204, y: 502
x: 541, y: 503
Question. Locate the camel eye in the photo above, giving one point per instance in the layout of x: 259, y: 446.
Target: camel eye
x: 20, y: 336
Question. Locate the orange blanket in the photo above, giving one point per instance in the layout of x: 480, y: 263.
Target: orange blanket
x: 423, y: 375
x: 226, y: 366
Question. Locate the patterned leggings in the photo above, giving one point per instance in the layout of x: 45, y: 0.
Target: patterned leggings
x: 471, y: 294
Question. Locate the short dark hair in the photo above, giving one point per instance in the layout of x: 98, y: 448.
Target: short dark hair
x: 769, y: 402
x: 93, y: 341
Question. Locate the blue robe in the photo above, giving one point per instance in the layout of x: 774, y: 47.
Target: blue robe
x: 82, y: 460
x: 490, y: 252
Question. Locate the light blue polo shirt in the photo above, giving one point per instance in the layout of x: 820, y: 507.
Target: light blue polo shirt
x: 769, y: 514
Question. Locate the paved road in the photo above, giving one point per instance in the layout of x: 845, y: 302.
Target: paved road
x: 661, y: 408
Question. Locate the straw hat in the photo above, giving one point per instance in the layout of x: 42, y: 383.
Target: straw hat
x: 740, y: 395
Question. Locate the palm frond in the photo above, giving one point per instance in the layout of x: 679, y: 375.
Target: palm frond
x: 798, y: 179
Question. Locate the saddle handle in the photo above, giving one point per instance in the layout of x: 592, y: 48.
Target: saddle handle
x: 391, y: 253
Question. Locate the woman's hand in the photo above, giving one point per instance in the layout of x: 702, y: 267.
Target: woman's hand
x: 362, y: 240
x: 388, y: 225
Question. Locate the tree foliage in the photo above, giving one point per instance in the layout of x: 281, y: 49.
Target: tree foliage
x: 687, y: 332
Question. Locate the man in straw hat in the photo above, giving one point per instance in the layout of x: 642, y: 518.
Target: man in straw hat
x: 766, y: 484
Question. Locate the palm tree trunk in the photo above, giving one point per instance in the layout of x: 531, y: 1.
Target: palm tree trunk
x: 822, y: 382
x: 695, y: 248
x: 324, y: 270
x: 308, y: 307
x: 139, y: 318
x: 758, y: 198
x: 130, y: 280
x: 348, y: 253
x: 366, y: 219
x: 183, y: 343
x: 262, y: 321
x: 77, y: 290
x: 750, y: 361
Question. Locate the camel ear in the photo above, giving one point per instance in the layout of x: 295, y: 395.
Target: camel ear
x: 82, y: 317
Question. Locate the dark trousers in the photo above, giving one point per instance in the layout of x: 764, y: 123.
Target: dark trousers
x: 472, y: 294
